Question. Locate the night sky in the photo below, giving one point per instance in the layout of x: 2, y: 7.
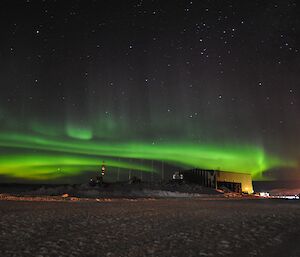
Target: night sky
x: 207, y: 84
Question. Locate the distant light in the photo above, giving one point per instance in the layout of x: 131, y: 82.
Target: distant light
x: 289, y: 197
x: 264, y: 194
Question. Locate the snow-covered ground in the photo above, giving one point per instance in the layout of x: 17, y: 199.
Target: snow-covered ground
x: 158, y: 227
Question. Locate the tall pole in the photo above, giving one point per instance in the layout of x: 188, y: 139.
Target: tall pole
x: 102, y: 171
x: 118, y: 176
x: 141, y: 172
x: 151, y: 170
x: 129, y: 173
x: 162, y: 171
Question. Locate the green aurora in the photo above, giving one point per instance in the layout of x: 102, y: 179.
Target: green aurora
x: 39, y: 157
x: 148, y: 93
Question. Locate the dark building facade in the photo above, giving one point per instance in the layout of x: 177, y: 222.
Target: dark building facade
x: 233, y: 181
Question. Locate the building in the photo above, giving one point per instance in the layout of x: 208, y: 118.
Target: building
x: 245, y: 180
x: 233, y: 181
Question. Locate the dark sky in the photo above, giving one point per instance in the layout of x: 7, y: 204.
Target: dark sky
x: 211, y: 74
